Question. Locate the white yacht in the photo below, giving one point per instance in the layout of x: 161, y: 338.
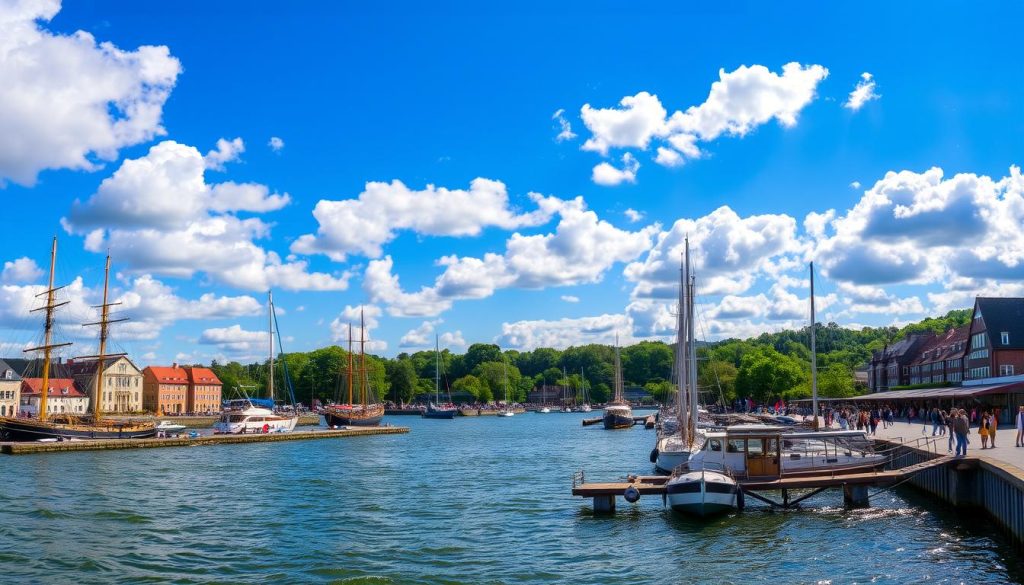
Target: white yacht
x: 253, y: 419
x: 767, y: 451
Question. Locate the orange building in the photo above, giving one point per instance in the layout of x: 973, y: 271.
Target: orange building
x: 204, y: 390
x: 165, y: 390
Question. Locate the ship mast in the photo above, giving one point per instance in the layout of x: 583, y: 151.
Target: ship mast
x: 101, y: 357
x: 270, y: 322
x: 364, y: 379
x: 350, y: 364
x: 437, y: 370
x: 681, y: 354
x: 48, y: 332
x: 814, y: 359
x: 691, y: 336
x: 618, y: 372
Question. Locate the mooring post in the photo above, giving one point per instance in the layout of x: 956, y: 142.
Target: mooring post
x: 604, y: 504
x: 855, y: 496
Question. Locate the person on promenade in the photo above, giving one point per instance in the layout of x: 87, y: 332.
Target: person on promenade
x: 1020, y: 427
x: 950, y: 419
x: 983, y: 430
x: 993, y: 424
x: 961, y: 427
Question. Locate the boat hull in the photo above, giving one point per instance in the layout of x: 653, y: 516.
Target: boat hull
x: 440, y: 413
x: 335, y: 419
x: 33, y: 430
x: 702, y: 494
x: 667, y: 461
x: 617, y: 421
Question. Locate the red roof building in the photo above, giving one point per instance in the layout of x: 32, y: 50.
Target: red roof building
x: 165, y: 389
x: 204, y: 390
x: 63, y: 396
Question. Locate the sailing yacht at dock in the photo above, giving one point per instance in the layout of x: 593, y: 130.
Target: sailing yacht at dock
x: 251, y: 416
x: 618, y: 414
x: 67, y: 426
x: 435, y: 409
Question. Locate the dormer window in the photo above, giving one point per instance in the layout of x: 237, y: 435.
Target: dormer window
x: 1004, y: 337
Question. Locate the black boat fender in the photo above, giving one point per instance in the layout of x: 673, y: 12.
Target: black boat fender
x: 740, y: 500
x: 632, y: 495
x: 654, y: 455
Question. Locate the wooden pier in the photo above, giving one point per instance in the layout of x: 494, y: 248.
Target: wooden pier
x: 854, y: 484
x: 11, y: 448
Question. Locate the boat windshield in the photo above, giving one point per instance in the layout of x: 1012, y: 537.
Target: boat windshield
x: 236, y: 418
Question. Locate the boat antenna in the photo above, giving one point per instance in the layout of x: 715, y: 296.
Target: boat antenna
x: 814, y: 358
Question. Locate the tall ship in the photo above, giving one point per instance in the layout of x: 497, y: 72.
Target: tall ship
x: 361, y: 409
x: 618, y: 414
x: 436, y: 409
x: 251, y: 415
x: 47, y: 426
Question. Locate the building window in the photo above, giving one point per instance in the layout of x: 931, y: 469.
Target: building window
x: 1004, y: 337
x: 1006, y: 370
x: 977, y: 341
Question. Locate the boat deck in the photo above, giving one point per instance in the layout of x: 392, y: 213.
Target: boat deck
x: 25, y: 448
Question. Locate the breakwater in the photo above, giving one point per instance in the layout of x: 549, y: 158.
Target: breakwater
x: 27, y: 448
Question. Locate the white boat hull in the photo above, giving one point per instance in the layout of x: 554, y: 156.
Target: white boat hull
x: 254, y: 420
x: 702, y: 493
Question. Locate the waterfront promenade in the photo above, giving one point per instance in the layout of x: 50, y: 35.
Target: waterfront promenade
x: 1004, y: 452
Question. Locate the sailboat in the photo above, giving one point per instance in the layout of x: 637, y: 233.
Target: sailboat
x: 67, y: 426
x: 567, y: 393
x: 257, y: 416
x: 506, y: 410
x: 705, y: 491
x: 618, y: 414
x: 364, y: 411
x: 679, y: 435
x: 585, y: 407
x: 435, y: 409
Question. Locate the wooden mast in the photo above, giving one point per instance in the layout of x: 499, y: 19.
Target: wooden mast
x: 618, y: 372
x: 681, y: 355
x: 437, y: 371
x: 48, y: 333
x: 363, y: 378
x: 350, y: 364
x: 101, y: 357
x: 270, y: 328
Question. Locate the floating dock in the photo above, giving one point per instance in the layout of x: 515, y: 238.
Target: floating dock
x: 26, y: 448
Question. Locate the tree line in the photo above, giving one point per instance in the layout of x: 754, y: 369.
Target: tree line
x: 763, y: 368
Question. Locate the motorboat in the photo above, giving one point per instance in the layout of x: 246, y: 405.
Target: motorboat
x: 703, y: 493
x: 253, y: 419
x: 167, y: 426
x: 543, y: 410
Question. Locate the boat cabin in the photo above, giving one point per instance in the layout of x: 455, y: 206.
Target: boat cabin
x: 764, y: 451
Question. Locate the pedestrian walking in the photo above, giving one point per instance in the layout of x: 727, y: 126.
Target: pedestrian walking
x: 983, y: 430
x: 993, y: 424
x: 1020, y: 427
x: 961, y: 427
x: 950, y: 419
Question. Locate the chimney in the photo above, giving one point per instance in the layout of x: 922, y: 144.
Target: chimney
x: 174, y: 366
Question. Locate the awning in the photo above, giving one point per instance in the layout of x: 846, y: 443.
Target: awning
x: 947, y: 392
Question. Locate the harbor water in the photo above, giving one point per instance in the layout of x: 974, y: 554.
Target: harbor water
x: 471, y: 500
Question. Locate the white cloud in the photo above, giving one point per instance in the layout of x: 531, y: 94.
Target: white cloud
x: 862, y: 94
x: 157, y: 214
x: 633, y: 215
x: 855, y: 185
x: 570, y: 298
x: 738, y: 102
x: 727, y: 251
x: 452, y: 339
x: 70, y: 101
x: 349, y: 319
x: 564, y: 128
x: 226, y: 151
x: 920, y: 227
x: 363, y: 225
x: 20, y: 271
x: 605, y: 174
x: 562, y: 333
x: 423, y: 337
x: 581, y: 250
x: 275, y: 144
x: 234, y: 339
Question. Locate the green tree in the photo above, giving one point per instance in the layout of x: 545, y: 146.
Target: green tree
x: 479, y: 353
x: 469, y: 384
x: 402, y: 378
x: 836, y: 381
x: 765, y: 374
x: 660, y: 390
x: 647, y: 360
x: 493, y: 374
x: 717, y: 379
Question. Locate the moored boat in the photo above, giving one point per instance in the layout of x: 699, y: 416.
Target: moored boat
x: 702, y: 493
x: 361, y: 409
x: 618, y: 414
x: 436, y: 409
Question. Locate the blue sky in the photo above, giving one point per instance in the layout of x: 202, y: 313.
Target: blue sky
x: 738, y: 128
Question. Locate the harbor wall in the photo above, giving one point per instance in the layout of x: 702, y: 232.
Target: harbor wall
x: 975, y: 482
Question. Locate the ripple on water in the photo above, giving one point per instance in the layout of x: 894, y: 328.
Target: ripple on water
x: 470, y: 501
